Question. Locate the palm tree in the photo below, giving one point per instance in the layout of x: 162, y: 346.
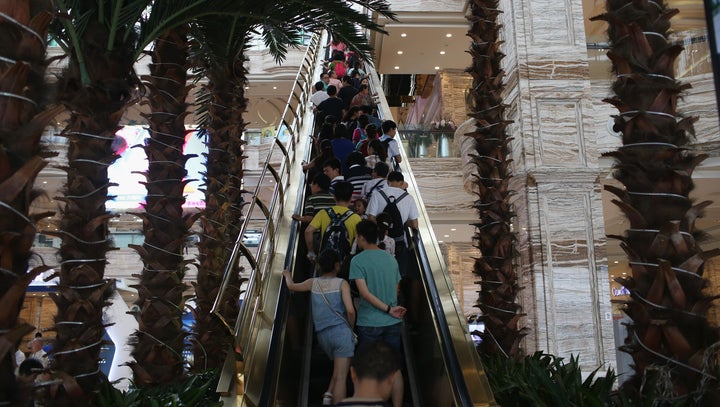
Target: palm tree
x: 159, y: 341
x: 494, y: 236
x: 23, y: 117
x: 103, y: 42
x: 669, y: 338
x: 222, y: 102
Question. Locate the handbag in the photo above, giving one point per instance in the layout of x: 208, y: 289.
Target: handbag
x: 322, y: 292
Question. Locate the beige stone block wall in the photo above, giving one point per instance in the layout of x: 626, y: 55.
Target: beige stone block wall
x: 712, y: 273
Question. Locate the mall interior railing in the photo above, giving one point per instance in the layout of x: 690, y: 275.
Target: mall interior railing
x: 269, y: 203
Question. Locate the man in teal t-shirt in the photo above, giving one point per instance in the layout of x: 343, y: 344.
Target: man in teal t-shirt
x: 377, y: 276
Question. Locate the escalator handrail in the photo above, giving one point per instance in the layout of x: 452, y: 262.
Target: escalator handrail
x: 455, y: 371
x: 234, y: 254
x: 270, y: 376
x: 270, y: 380
x: 270, y: 389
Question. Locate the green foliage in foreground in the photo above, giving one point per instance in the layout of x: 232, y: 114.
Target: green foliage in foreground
x: 197, y: 390
x: 546, y: 380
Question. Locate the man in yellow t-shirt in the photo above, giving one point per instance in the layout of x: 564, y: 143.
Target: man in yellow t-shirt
x: 321, y: 220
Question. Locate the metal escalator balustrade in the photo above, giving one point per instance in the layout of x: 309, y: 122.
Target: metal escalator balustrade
x: 243, y: 376
x: 451, y: 336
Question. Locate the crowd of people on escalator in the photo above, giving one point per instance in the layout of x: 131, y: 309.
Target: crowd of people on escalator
x: 354, y: 258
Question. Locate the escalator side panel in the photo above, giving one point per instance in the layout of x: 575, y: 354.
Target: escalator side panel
x: 444, y: 309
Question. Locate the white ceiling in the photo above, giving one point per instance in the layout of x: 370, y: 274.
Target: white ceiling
x: 423, y: 45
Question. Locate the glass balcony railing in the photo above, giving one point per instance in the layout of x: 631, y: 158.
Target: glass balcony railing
x: 429, y: 143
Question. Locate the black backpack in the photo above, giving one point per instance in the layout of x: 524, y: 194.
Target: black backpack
x: 386, y: 144
x: 336, y: 236
x: 397, y: 229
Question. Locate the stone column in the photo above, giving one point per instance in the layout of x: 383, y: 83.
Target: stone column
x: 559, y: 210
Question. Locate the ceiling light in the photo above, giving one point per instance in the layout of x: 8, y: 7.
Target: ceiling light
x: 437, y: 67
x: 274, y: 87
x: 400, y: 52
x: 44, y: 182
x: 440, y: 241
x: 397, y: 67
x: 446, y: 235
x: 616, y: 262
x: 403, y: 35
x: 624, y: 274
x: 442, y: 52
x: 453, y: 229
x: 247, y: 87
x: 448, y: 35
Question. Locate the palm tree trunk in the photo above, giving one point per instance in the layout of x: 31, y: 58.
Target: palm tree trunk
x: 669, y: 336
x: 23, y: 93
x: 223, y: 213
x: 95, y: 111
x: 494, y: 237
x: 160, y: 339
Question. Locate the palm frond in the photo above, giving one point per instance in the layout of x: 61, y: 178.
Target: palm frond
x: 340, y: 18
x: 277, y: 40
x: 164, y: 15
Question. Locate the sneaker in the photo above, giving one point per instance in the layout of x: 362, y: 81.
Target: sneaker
x: 327, y: 399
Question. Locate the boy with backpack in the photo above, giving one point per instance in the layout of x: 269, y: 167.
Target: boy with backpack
x: 403, y: 211
x: 389, y: 130
x: 336, y: 225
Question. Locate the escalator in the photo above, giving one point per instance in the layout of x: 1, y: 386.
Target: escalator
x: 274, y: 362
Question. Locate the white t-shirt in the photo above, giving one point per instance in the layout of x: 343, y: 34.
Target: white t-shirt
x: 318, y: 97
x: 407, y: 207
x: 393, y: 147
x: 371, y: 186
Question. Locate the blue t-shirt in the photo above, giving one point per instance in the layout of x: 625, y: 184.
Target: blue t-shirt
x: 381, y: 274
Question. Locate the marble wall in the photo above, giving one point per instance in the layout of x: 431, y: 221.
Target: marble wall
x: 555, y: 151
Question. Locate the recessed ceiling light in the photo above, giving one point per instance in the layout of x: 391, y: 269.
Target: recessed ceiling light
x: 624, y: 274
x: 247, y: 87
x: 403, y: 35
x: 397, y: 67
x: 448, y: 35
x: 440, y: 241
x: 452, y: 229
x: 437, y: 67
x: 616, y: 262
x: 44, y: 182
x: 274, y: 87
x: 400, y: 52
x: 446, y: 235
x: 442, y: 52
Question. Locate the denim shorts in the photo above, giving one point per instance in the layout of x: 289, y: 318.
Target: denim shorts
x: 337, y: 341
x: 391, y: 334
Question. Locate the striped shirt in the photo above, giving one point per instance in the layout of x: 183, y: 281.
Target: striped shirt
x: 318, y: 202
x: 358, y: 175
